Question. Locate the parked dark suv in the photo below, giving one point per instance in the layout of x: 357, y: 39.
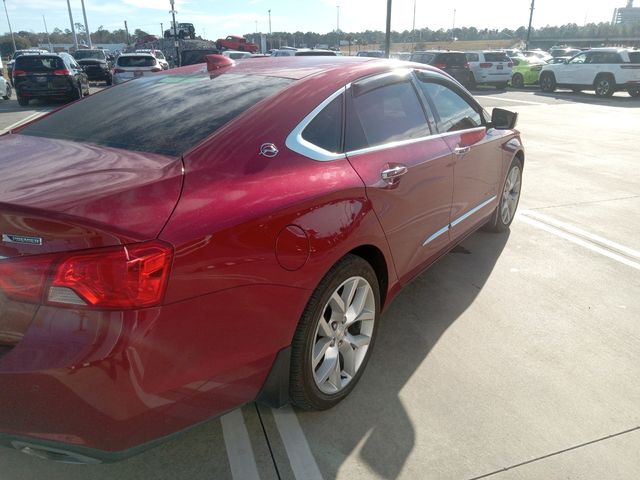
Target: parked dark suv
x: 96, y: 64
x: 49, y: 75
x: 454, y: 63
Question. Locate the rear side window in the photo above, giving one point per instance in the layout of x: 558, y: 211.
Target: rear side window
x: 141, y: 61
x: 454, y: 111
x: 472, y: 57
x: 166, y: 114
x: 452, y: 59
x: 325, y: 130
x: 37, y: 63
x: 425, y: 58
x: 386, y: 114
x: 496, y: 57
x: 634, y: 57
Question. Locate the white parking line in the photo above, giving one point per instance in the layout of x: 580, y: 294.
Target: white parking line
x: 239, y: 450
x: 592, y: 242
x: 509, y: 100
x: 301, y: 459
x: 20, y: 122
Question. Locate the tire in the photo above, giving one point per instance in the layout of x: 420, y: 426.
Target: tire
x: 604, y: 85
x: 547, y: 82
x: 509, y: 199
x: 322, y: 328
x: 634, y: 92
x: 7, y: 94
x: 501, y: 86
x: 472, y: 85
x: 517, y: 81
x: 109, y: 81
x: 22, y: 101
x: 76, y: 94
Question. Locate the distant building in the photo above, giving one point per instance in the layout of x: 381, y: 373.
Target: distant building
x: 627, y: 14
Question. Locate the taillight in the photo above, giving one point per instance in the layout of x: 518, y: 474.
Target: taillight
x: 441, y: 66
x: 62, y: 71
x: 19, y: 73
x: 156, y: 69
x: 486, y: 65
x: 123, y: 277
x: 118, y: 70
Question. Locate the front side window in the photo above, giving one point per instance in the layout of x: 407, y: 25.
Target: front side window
x: 454, y: 111
x: 385, y: 114
x: 579, y: 59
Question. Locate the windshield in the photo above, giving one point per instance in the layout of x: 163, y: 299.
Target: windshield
x: 80, y: 54
x: 193, y: 107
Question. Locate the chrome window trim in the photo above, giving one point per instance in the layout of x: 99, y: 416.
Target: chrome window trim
x: 299, y: 145
x: 458, y: 220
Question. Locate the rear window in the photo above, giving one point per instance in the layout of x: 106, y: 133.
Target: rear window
x: 193, y: 57
x: 38, y: 63
x: 315, y: 53
x: 496, y: 57
x: 81, y: 54
x: 166, y: 114
x: 634, y: 57
x: 452, y: 59
x: 138, y: 61
x: 422, y: 57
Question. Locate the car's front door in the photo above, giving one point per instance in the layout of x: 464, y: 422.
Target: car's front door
x: 477, y: 152
x: 571, y: 72
x: 390, y: 142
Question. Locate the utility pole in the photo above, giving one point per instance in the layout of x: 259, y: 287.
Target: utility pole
x: 175, y: 32
x: 270, y: 39
x: 86, y: 24
x: 453, y: 25
x: 126, y: 29
x: 161, y: 30
x: 413, y: 28
x: 387, y: 38
x: 47, y: 32
x: 13, y: 40
x: 530, y: 20
x: 338, y: 27
x: 73, y: 28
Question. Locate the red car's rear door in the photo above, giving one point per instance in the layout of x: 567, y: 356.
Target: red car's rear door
x: 407, y: 170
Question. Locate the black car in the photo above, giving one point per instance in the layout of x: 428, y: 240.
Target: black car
x: 16, y: 54
x: 50, y: 75
x: 454, y: 63
x: 96, y: 63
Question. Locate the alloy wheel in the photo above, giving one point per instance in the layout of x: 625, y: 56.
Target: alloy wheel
x: 603, y: 87
x: 511, y: 194
x: 343, y: 335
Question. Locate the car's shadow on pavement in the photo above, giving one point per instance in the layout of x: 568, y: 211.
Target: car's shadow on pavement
x: 621, y: 100
x: 373, y: 420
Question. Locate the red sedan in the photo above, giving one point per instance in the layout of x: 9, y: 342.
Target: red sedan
x: 185, y: 243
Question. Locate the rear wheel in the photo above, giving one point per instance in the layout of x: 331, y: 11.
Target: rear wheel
x: 517, y: 81
x: 509, y: 198
x: 604, y: 85
x: 335, y: 336
x: 472, y: 82
x: 22, y: 101
x: 634, y: 92
x: 547, y: 82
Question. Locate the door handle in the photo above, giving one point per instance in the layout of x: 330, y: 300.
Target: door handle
x: 461, y: 150
x: 392, y: 174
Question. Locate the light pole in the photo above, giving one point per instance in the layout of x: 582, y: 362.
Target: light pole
x: 530, y: 20
x: 413, y: 28
x: 86, y: 24
x: 175, y: 32
x: 338, y: 27
x: 47, y: 32
x: 270, y: 40
x: 73, y: 28
x: 13, y: 40
x: 387, y: 37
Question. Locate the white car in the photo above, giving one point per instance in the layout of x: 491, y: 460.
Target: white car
x: 158, y: 54
x: 605, y: 70
x: 133, y: 65
x: 538, y: 54
x: 5, y: 89
x: 489, y: 67
x: 236, y: 55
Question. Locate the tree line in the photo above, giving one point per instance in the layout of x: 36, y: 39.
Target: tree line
x: 602, y: 30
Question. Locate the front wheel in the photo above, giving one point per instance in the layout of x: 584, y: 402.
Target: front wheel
x: 506, y: 209
x: 517, y: 81
x: 335, y: 336
x: 547, y: 82
x: 634, y: 92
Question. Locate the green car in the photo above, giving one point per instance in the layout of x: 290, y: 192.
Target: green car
x: 526, y: 71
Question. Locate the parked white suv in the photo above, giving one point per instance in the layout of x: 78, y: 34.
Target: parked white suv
x: 605, y: 70
x: 489, y: 68
x: 133, y: 65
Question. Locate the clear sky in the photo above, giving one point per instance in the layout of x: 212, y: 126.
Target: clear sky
x: 218, y: 18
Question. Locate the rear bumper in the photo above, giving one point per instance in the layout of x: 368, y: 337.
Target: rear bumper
x: 105, y: 384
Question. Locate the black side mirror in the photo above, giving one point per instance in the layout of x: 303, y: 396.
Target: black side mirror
x: 503, y: 119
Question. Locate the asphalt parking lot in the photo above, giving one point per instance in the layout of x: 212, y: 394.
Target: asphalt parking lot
x: 514, y: 357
